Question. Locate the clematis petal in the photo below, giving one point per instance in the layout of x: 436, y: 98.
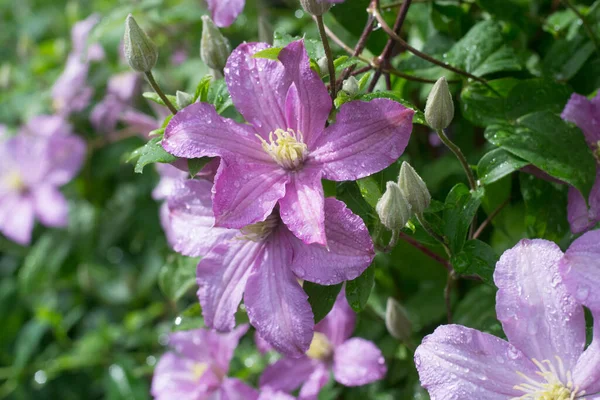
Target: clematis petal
x: 358, y: 362
x: 586, y: 374
x: 191, y: 219
x: 366, y: 138
x: 50, y: 206
x: 221, y: 277
x: 580, y: 269
x: 245, y: 193
x: 234, y: 389
x: 307, y: 102
x: 301, y: 209
x: 224, y: 12
x: 47, y: 125
x: 580, y: 217
x: 287, y: 374
x: 349, y: 248
x: 261, y: 344
x: 319, y: 378
x: 538, y: 315
x: 456, y: 363
x: 277, y: 306
x: 16, y: 218
x: 269, y: 394
x: 258, y: 87
x: 65, y: 158
x: 339, y: 324
x: 174, y: 378
x: 586, y: 115
x: 198, y: 131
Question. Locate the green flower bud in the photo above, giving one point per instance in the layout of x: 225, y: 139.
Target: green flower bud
x: 214, y: 47
x: 350, y: 86
x: 315, y: 7
x: 413, y: 188
x: 439, y: 109
x: 397, y: 321
x: 392, y: 208
x: 141, y: 53
x: 323, y: 66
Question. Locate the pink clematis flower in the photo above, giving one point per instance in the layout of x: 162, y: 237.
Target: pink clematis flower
x: 263, y: 263
x: 354, y: 361
x: 580, y: 270
x: 197, y: 367
x: 32, y: 168
x: 585, y: 114
x: 280, y: 157
x: 120, y: 90
x: 545, y: 355
x: 224, y: 12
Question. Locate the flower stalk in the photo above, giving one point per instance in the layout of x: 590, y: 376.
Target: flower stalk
x: 159, y: 92
x: 461, y: 157
x: 327, y: 48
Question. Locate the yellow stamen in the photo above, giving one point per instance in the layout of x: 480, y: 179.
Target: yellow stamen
x: 286, y: 147
x: 14, y: 181
x: 557, y: 383
x: 198, y: 369
x: 260, y: 230
x: 320, y: 347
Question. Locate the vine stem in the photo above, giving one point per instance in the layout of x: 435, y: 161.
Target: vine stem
x: 323, y: 33
x: 586, y: 26
x: 433, y: 234
x: 461, y: 157
x: 490, y: 218
x: 447, y: 295
x: 160, y: 93
x: 425, y: 250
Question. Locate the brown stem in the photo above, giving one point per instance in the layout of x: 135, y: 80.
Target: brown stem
x: 328, y: 54
x: 490, y: 218
x: 360, y: 46
x: 425, y: 250
x: 160, y: 93
x: 447, y: 295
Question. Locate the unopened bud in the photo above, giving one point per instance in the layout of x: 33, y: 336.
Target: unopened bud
x: 393, y: 209
x: 214, y: 47
x: 396, y: 320
x: 141, y: 53
x: 413, y: 188
x: 323, y: 66
x: 183, y: 99
x: 315, y: 7
x: 439, y: 109
x: 350, y: 86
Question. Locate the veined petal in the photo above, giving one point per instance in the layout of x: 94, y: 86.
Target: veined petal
x: 538, y: 314
x: 586, y: 374
x: 198, y: 131
x: 16, y: 218
x: 258, y: 88
x: 578, y: 213
x: 349, y: 248
x: 224, y: 12
x: 50, y: 206
x: 221, y: 277
x: 301, y: 209
x: 315, y: 382
x: 245, y: 193
x: 457, y: 363
x: 174, y: 377
x: 580, y: 269
x: 339, y: 324
x: 287, y: 374
x: 358, y: 362
x: 366, y: 138
x: 277, y: 305
x: 586, y: 115
x: 191, y: 219
x: 307, y: 102
x: 234, y: 389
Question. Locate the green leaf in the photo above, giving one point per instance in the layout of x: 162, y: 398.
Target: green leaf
x: 272, y: 53
x: 482, y: 51
x: 151, y: 152
x: 461, y: 206
x: 370, y: 190
x: 551, y: 144
x: 28, y: 340
x: 477, y: 310
x: 534, y: 95
x: 201, y: 93
x: 418, y: 118
x: 567, y: 56
x: 152, y: 96
x: 351, y: 15
x: 349, y: 193
x: 496, y: 164
x: 321, y: 298
x: 178, y: 276
x: 218, y: 95
x: 476, y: 257
x: 196, y: 164
x: 545, y: 208
x: 314, y: 48
x: 358, y: 290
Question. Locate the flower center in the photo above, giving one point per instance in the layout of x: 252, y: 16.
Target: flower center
x: 198, y: 369
x: 286, y: 148
x: 554, y: 387
x: 260, y: 230
x: 13, y: 181
x: 320, y: 347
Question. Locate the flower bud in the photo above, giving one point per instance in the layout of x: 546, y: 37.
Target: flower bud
x: 140, y: 52
x: 413, y: 188
x: 396, y: 320
x: 315, y: 7
x: 323, y: 66
x: 439, y: 109
x: 392, y: 208
x: 350, y: 86
x: 214, y: 47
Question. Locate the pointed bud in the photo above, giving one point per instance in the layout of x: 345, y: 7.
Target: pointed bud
x: 392, y: 208
x: 323, y: 66
x: 183, y: 99
x: 439, y: 109
x: 413, y: 188
x: 350, y: 86
x: 140, y: 52
x: 214, y: 47
x: 315, y: 7
x: 396, y: 320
